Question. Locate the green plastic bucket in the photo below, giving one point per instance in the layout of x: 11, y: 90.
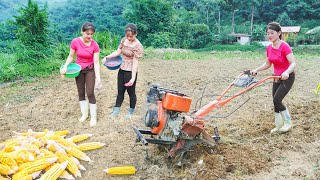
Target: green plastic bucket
x: 73, y: 70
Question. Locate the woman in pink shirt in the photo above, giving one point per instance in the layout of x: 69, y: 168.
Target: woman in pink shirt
x: 131, y: 50
x: 279, y: 54
x: 87, y: 52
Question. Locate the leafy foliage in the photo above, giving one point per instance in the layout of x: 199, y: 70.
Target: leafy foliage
x: 32, y: 33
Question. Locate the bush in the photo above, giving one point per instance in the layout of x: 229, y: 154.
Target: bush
x: 161, y: 40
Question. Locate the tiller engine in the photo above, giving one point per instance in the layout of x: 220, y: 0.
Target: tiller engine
x: 171, y: 127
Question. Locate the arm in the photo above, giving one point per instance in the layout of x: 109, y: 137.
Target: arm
x: 97, y: 69
x: 68, y: 61
x: 293, y: 64
x: 134, y: 71
x: 113, y: 54
x: 264, y: 66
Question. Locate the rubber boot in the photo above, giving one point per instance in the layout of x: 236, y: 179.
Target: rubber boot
x: 84, y: 110
x: 130, y: 113
x: 287, y: 121
x: 278, y: 121
x: 93, y: 114
x: 115, y: 112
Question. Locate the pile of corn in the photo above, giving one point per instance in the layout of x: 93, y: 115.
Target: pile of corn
x: 44, y: 155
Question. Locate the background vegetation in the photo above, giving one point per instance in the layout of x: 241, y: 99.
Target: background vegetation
x: 35, y: 34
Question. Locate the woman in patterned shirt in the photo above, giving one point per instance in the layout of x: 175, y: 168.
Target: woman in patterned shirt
x: 131, y: 50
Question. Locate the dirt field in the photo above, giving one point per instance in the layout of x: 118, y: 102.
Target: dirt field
x: 247, y: 150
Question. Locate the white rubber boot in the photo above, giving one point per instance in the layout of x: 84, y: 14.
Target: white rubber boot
x: 84, y: 110
x: 287, y: 121
x: 93, y: 114
x: 278, y: 121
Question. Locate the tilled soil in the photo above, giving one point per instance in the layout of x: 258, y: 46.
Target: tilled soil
x: 246, y: 150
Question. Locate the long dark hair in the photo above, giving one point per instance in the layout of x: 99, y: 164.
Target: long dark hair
x: 276, y: 27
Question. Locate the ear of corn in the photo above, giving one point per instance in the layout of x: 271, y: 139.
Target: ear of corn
x: 77, y: 153
x: 5, y: 170
x: 66, y: 175
x: 72, y: 166
x: 80, y: 137
x: 66, y: 143
x: 121, y: 170
x: 38, y: 165
x: 61, y: 133
x: 54, y: 172
x: 90, y: 146
x: 6, y: 159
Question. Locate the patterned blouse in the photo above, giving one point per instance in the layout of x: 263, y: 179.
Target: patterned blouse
x: 129, y: 53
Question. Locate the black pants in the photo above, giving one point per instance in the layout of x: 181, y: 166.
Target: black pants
x: 124, y: 77
x: 280, y: 89
x: 86, y: 81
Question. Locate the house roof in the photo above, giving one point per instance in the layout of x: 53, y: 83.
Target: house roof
x: 290, y: 28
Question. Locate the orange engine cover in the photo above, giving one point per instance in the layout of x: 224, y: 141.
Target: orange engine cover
x: 176, y: 103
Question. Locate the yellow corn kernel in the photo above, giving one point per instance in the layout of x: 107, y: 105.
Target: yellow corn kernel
x: 61, y: 133
x: 80, y: 137
x: 45, y: 152
x: 54, y: 172
x: 75, y: 152
x: 72, y: 166
x: 5, y: 158
x: 66, y: 143
x: 121, y: 170
x: 38, y: 165
x: 90, y: 146
x: 5, y: 169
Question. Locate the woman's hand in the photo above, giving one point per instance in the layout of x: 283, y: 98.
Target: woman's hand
x: 63, y: 71
x: 130, y: 83
x: 104, y: 60
x: 284, y: 75
x: 253, y: 72
x: 98, y: 84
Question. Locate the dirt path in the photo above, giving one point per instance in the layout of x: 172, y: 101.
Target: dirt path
x: 246, y: 152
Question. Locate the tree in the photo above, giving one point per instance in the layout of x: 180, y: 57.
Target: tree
x: 151, y: 16
x: 32, y: 32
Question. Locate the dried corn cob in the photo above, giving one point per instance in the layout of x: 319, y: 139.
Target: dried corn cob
x: 54, y: 172
x: 75, y: 160
x: 61, y: 133
x: 121, y: 170
x: 5, y: 169
x: 80, y: 137
x: 25, y: 176
x: 72, y: 166
x: 38, y: 165
x: 66, y: 175
x: 66, y: 143
x: 75, y: 152
x: 6, y: 159
x: 90, y: 146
